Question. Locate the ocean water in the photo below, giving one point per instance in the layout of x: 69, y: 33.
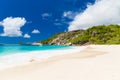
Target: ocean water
x: 11, y: 56
x: 6, y: 50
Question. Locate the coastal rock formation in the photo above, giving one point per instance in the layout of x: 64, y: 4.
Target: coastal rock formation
x: 95, y: 35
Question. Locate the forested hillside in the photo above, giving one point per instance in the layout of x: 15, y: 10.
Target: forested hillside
x: 95, y: 35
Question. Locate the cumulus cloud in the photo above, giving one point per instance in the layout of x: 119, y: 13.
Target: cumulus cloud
x: 27, y: 36
x: 35, y: 31
x: 12, y: 26
x: 102, y: 12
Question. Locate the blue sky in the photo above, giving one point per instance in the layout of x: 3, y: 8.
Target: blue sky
x: 35, y: 20
x: 46, y: 17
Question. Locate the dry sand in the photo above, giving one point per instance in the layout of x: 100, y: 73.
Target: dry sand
x: 97, y: 62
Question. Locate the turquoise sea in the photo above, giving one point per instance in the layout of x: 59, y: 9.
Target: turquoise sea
x: 19, y: 55
x: 5, y: 50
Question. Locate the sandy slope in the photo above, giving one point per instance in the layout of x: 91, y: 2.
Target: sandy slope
x: 95, y: 63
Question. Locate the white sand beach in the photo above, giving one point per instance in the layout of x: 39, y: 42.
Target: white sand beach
x: 96, y: 62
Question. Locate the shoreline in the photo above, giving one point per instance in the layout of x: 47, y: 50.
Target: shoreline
x: 81, y: 54
x: 19, y: 59
x: 96, y: 62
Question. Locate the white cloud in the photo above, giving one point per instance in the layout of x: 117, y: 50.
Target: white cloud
x: 27, y: 36
x: 12, y: 26
x: 46, y: 15
x: 35, y: 31
x: 69, y: 14
x: 102, y: 12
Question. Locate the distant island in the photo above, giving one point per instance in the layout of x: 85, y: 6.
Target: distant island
x: 95, y: 35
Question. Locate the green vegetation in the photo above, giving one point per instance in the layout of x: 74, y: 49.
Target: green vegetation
x: 95, y: 35
x: 50, y: 39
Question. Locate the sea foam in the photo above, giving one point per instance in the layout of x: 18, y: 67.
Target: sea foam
x: 18, y: 59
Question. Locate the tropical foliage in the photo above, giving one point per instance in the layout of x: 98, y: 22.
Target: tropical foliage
x: 95, y: 35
